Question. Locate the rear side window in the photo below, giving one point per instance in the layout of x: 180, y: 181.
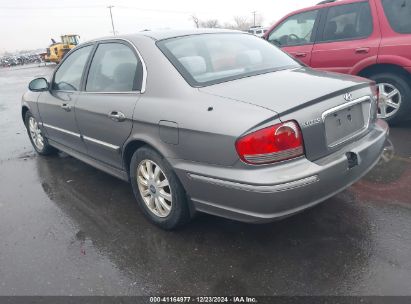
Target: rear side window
x: 398, y: 13
x: 350, y: 21
x: 114, y: 68
x: 68, y: 76
x: 295, y: 30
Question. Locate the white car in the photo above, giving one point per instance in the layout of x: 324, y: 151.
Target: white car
x: 258, y: 31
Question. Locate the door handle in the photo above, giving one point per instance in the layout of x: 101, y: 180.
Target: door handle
x: 66, y: 107
x: 363, y: 50
x: 300, y: 55
x: 117, y: 116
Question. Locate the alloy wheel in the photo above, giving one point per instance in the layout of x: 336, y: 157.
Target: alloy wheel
x: 35, y: 134
x: 389, y: 100
x: 154, y: 188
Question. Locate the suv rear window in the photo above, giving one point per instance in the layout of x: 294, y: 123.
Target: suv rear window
x: 398, y: 13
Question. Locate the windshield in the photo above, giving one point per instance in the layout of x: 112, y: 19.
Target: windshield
x: 207, y: 59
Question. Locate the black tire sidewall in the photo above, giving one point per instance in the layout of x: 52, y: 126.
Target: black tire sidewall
x: 179, y: 214
x: 402, y: 85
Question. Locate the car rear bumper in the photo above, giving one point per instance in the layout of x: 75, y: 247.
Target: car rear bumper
x: 265, y: 193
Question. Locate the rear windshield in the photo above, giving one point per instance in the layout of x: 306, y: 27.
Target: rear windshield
x: 398, y: 13
x: 207, y: 59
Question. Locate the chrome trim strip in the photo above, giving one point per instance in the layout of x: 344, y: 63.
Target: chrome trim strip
x: 345, y: 105
x: 90, y: 139
x: 276, y: 156
x: 61, y: 130
x: 102, y: 143
x: 367, y: 120
x: 254, y: 188
x: 123, y: 93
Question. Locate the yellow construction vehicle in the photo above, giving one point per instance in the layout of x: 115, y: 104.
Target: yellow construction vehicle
x: 57, y: 50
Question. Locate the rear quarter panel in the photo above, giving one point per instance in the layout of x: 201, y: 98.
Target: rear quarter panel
x: 205, y: 136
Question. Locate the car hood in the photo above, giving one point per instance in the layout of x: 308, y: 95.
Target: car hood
x: 285, y: 90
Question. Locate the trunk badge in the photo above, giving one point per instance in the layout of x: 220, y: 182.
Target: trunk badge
x: 348, y: 96
x: 311, y: 122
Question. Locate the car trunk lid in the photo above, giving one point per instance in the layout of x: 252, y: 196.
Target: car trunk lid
x: 331, y: 109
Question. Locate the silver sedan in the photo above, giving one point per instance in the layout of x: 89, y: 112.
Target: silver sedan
x: 220, y: 122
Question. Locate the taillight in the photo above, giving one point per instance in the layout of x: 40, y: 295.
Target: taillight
x: 276, y: 143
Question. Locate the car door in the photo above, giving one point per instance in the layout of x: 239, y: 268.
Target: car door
x: 104, y: 110
x: 56, y: 106
x: 296, y: 35
x: 349, y: 37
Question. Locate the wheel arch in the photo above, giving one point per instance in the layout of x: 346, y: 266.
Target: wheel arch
x: 24, y: 110
x: 131, y: 146
x: 363, y: 64
x: 384, y: 68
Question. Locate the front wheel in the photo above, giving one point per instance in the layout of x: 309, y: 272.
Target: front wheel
x: 158, y: 190
x: 394, y: 97
x: 39, y: 142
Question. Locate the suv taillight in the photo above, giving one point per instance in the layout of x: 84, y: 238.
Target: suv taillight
x: 376, y: 94
x: 375, y: 91
x: 276, y: 143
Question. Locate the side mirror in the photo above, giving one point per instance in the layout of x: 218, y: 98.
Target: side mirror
x: 39, y: 85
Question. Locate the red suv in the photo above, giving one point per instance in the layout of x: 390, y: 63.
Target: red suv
x: 367, y: 38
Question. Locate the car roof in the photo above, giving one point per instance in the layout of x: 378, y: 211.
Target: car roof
x: 166, y: 34
x: 324, y: 5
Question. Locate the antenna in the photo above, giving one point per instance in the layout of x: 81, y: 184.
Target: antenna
x: 111, y: 16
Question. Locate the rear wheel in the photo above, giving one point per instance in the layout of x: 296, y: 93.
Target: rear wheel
x: 158, y: 190
x: 394, y: 97
x: 37, y: 138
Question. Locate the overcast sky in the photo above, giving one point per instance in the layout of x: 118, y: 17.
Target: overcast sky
x: 29, y: 24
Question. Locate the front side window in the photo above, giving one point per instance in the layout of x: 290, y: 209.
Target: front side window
x: 212, y: 58
x: 68, y: 76
x: 350, y: 21
x: 114, y: 68
x: 295, y: 30
x: 398, y: 13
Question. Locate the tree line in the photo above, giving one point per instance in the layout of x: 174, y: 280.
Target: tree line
x: 241, y: 23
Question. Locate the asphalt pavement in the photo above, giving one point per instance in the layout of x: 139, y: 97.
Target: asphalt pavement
x: 69, y: 229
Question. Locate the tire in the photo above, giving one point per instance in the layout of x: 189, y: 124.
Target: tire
x: 404, y: 100
x: 153, y: 200
x: 45, y: 148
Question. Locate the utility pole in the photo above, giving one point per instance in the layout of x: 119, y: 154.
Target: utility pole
x: 111, y: 16
x: 254, y: 14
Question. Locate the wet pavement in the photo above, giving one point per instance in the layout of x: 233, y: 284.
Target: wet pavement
x: 69, y: 229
